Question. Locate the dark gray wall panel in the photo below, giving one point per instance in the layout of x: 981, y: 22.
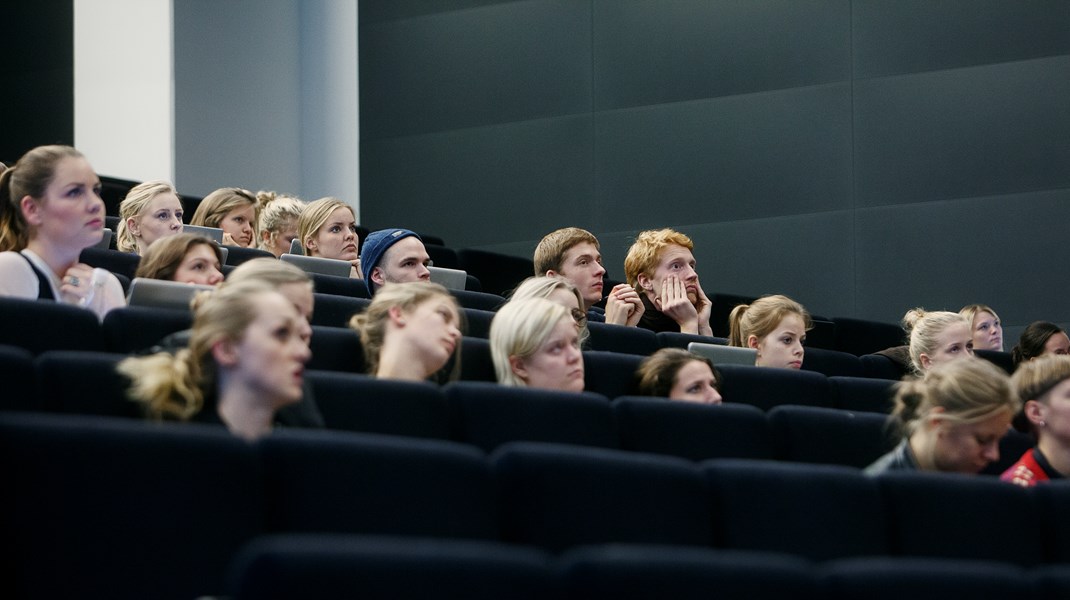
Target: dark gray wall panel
x: 653, y: 51
x: 496, y: 64
x: 963, y: 133
x: 907, y: 36
x: 742, y: 157
x: 1004, y: 251
x: 376, y: 11
x: 482, y: 185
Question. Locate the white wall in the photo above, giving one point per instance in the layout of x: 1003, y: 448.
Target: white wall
x: 124, y: 87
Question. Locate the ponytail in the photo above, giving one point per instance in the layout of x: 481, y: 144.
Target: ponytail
x: 168, y: 387
x: 735, y: 326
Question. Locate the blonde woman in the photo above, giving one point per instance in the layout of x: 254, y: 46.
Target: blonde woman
x: 150, y: 211
x: 952, y: 418
x: 559, y: 290
x: 775, y: 326
x: 328, y: 229
x: 936, y: 337
x: 234, y: 211
x: 535, y: 343
x: 278, y: 221
x: 986, y: 327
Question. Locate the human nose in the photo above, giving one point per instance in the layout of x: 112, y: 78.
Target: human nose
x: 689, y: 273
x: 712, y: 395
x: 798, y: 349
x: 216, y: 276
x: 425, y: 273
x: 599, y: 269
x: 991, y: 451
x: 454, y: 332
x: 176, y: 222
x: 574, y: 354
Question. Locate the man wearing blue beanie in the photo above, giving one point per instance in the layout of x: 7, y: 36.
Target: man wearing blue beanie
x: 393, y: 256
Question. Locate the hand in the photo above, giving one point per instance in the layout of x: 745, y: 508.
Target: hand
x: 704, y: 307
x: 76, y: 285
x: 228, y: 240
x: 623, y: 306
x: 354, y: 269
x: 674, y: 302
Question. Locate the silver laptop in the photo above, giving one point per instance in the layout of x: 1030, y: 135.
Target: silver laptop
x: 295, y: 247
x: 105, y: 242
x: 158, y: 293
x: 212, y: 233
x: 724, y: 355
x: 315, y: 264
x: 451, y: 279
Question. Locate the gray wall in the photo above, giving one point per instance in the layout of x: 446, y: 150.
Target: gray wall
x: 861, y: 156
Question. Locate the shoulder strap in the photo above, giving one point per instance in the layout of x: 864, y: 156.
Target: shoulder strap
x: 44, y: 290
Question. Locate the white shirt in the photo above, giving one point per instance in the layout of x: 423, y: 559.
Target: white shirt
x: 18, y: 280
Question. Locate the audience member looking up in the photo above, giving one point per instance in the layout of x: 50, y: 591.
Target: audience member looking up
x: 661, y: 268
x: 573, y: 254
x: 951, y: 418
x: 1038, y: 339
x: 985, y: 325
x: 936, y: 337
x: 327, y: 228
x: 677, y: 374
x: 278, y: 221
x: 559, y: 290
x: 234, y: 211
x: 150, y: 211
x: 1043, y: 384
x: 535, y: 343
x: 394, y: 256
x: 185, y: 258
x: 410, y: 331
x: 245, y: 361
x: 775, y: 326
x: 51, y: 210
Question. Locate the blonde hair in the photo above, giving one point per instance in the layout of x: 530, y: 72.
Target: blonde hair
x: 315, y: 215
x: 657, y: 374
x: 162, y: 259
x: 761, y: 317
x: 30, y: 176
x: 644, y: 253
x: 924, y: 327
x: 275, y: 211
x: 550, y: 253
x: 174, y: 387
x: 134, y: 206
x: 969, y: 390
x: 970, y: 311
x: 542, y: 287
x: 1033, y: 379
x: 272, y: 271
x: 215, y: 206
x: 371, y: 324
x: 518, y: 329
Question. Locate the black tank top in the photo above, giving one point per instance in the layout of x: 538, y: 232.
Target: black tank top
x: 44, y: 288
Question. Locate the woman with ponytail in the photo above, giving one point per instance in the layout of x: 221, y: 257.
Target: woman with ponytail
x: 775, y: 326
x: 246, y: 359
x: 150, y: 211
x: 1040, y: 338
x: 951, y: 419
x: 278, y: 221
x: 51, y: 210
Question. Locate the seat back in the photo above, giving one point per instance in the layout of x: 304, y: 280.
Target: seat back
x: 830, y: 436
x: 85, y: 383
x: 859, y: 336
x: 832, y: 363
x: 38, y: 326
x: 138, y: 328
x: 864, y: 394
x: 611, y: 374
x: 692, y: 431
x: 20, y: 385
x: 354, y: 402
x: 628, y: 340
x: 336, y: 349
x: 335, y: 311
x: 767, y: 387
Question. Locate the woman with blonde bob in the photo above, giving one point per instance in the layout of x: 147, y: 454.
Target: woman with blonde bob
x: 1044, y: 386
x: 150, y: 211
x: 185, y: 258
x: 535, y: 342
x: 245, y: 360
x: 328, y: 229
x: 558, y: 290
x: 278, y: 221
x: 677, y: 374
x: 234, y: 211
x: 951, y: 419
x: 410, y: 331
x: 775, y: 326
x: 985, y: 326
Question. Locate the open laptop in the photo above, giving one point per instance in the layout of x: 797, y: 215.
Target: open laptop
x: 105, y: 241
x: 212, y: 233
x: 158, y: 293
x: 295, y: 247
x: 315, y: 264
x: 451, y: 279
x: 724, y: 355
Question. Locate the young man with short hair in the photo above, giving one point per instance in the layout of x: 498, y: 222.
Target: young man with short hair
x: 393, y: 256
x: 661, y: 268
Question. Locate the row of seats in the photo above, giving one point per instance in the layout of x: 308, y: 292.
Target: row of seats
x: 129, y: 509
x: 322, y: 566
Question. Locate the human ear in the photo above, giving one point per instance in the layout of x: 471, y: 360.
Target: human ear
x: 644, y: 282
x: 377, y: 276
x: 926, y: 362
x: 30, y: 210
x: 752, y: 341
x: 225, y: 353
x: 516, y: 364
x: 1034, y: 411
x: 397, y: 316
x: 132, y: 225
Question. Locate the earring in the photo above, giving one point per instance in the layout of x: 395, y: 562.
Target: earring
x: 1043, y: 423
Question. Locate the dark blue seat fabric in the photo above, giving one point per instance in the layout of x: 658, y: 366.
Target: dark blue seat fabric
x: 1011, y: 447
x: 625, y: 572
x: 818, y: 512
x: 879, y: 366
x: 138, y: 328
x: 832, y: 363
x: 616, y: 338
x: 353, y: 402
x: 325, y: 481
x: 917, y: 579
x: 488, y: 415
x: 478, y: 300
x: 17, y: 375
x: 690, y: 430
x: 335, y: 311
x: 99, y: 507
x: 1002, y: 360
x: 611, y: 374
x: 863, y: 394
x: 84, y: 383
x: 556, y: 497
x: 477, y: 322
x: 830, y: 436
x: 120, y: 263
x: 339, y: 286
x: 1052, y: 498
x: 476, y: 363
x: 39, y: 326
x: 859, y: 336
x: 498, y: 273
x: 237, y: 255
x: 766, y: 387
x: 336, y: 349
x: 675, y: 339
x: 1051, y: 582
x: 442, y: 256
x: 944, y: 516
x: 332, y: 566
x: 722, y: 307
